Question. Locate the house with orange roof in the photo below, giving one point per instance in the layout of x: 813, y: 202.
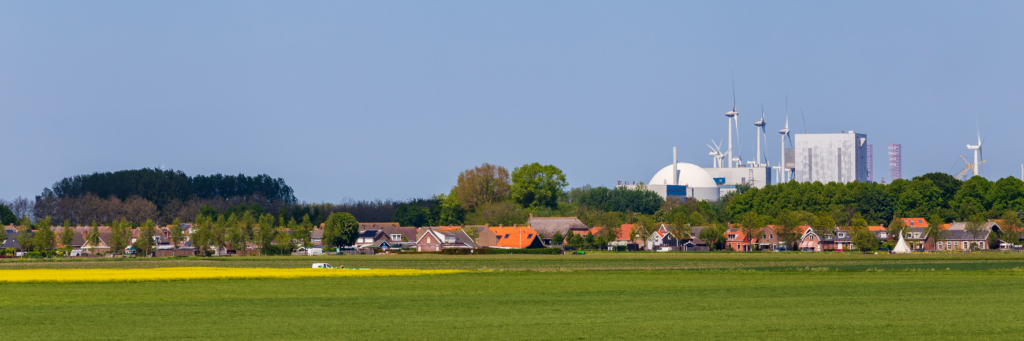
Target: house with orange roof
x: 626, y: 237
x: 915, y: 222
x: 738, y: 241
x: 510, y: 237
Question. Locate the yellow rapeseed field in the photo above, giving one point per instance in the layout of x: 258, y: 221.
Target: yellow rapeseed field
x: 191, y: 273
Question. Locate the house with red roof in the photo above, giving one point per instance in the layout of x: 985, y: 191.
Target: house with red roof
x: 510, y: 237
x: 738, y: 241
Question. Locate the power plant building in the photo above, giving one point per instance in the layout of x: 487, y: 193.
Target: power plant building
x: 825, y: 158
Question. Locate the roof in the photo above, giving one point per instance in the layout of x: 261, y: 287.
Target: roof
x: 876, y: 228
x: 461, y: 238
x: 961, y: 235
x: 11, y: 242
x: 595, y: 230
x: 369, y: 233
x: 625, y: 232
x: 963, y: 226
x: 548, y: 226
x: 514, y: 237
x: 915, y: 222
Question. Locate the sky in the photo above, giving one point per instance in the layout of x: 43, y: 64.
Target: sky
x: 368, y: 100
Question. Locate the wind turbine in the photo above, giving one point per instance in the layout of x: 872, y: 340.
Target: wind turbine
x: 759, y: 125
x: 716, y: 153
x: 977, y: 153
x: 731, y: 115
x: 784, y: 132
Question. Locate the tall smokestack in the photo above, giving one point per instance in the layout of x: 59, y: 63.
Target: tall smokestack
x: 675, y: 173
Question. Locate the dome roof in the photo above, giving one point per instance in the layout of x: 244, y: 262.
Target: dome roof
x: 689, y: 175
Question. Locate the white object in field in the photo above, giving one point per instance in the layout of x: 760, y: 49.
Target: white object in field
x: 314, y: 251
x: 322, y: 266
x: 901, y: 246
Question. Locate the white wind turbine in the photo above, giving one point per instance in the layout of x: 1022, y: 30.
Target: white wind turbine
x: 731, y: 115
x: 784, y: 132
x: 978, y: 156
x: 759, y: 125
x: 716, y: 154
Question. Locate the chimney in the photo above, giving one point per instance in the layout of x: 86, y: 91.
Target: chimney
x: 675, y: 173
x: 531, y: 215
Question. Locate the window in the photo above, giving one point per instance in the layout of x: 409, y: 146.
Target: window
x: 842, y: 234
x: 982, y: 244
x: 939, y: 246
x: 965, y: 245
x: 529, y: 235
x: 506, y: 235
x: 732, y: 236
x: 396, y: 236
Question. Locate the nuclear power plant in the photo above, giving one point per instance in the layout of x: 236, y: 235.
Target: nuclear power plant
x: 823, y: 157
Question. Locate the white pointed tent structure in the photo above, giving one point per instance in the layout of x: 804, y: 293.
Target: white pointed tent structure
x: 901, y: 246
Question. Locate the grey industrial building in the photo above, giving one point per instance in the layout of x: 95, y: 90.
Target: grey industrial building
x: 840, y: 157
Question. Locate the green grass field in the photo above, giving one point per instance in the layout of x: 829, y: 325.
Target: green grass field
x: 601, y: 296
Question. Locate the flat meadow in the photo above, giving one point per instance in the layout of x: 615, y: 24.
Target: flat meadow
x: 596, y: 296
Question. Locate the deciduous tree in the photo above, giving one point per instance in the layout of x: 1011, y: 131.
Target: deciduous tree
x: 482, y: 185
x: 536, y: 185
x: 341, y: 229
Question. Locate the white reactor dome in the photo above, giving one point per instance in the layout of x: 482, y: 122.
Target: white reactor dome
x: 690, y: 175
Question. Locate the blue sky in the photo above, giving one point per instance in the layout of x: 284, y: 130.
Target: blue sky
x: 387, y: 99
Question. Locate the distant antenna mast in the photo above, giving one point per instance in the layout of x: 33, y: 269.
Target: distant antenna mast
x: 804, y: 118
x: 895, y: 161
x: 870, y: 163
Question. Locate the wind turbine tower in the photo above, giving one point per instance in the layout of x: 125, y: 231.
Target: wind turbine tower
x: 760, y: 131
x: 731, y: 115
x: 784, y: 132
x: 977, y: 154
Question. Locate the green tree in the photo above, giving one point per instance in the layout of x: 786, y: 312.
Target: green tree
x: 451, y: 211
x: 557, y: 239
x: 177, y: 233
x: 865, y: 240
x: 896, y: 228
x: 1011, y: 228
x: 44, y: 239
x: 92, y: 238
x: 341, y: 229
x: 266, y: 233
x: 25, y: 233
x: 7, y: 216
x: 120, y: 235
x: 304, y: 231
x: 536, y: 185
x: 824, y: 224
x: 934, y: 230
x: 3, y: 235
x: 786, y: 227
x: 145, y: 243
x: 482, y: 185
x: 68, y: 237
x: 976, y: 226
x: 750, y: 225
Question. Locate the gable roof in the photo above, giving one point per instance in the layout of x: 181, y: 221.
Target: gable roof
x: 915, y: 222
x: 461, y: 239
x: 876, y: 228
x: 514, y: 237
x: 961, y: 226
x: 625, y: 232
x: 548, y: 226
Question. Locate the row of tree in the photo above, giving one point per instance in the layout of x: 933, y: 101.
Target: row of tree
x: 211, y: 229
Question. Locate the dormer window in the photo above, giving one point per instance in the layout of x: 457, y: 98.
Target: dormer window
x: 842, y: 234
x: 529, y: 235
x: 732, y: 236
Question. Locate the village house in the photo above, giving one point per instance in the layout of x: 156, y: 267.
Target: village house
x: 736, y: 240
x: 547, y: 227
x: 769, y: 239
x: 431, y: 240
x: 510, y: 237
x: 627, y: 238
x: 662, y: 240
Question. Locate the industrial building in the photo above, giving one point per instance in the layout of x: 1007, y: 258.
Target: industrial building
x: 682, y: 180
x: 840, y: 158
